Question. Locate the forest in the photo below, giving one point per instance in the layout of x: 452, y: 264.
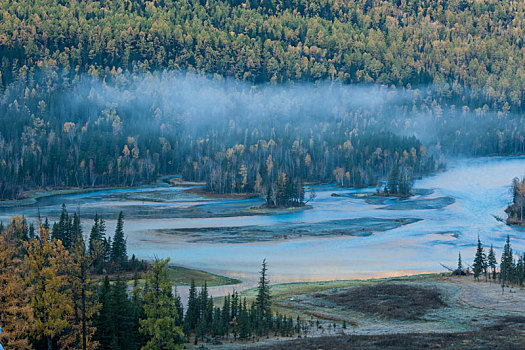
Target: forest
x: 57, y: 294
x: 466, y: 44
x: 92, y: 98
x: 244, y: 97
x: 131, y: 133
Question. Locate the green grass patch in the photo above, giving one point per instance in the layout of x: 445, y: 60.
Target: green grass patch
x: 182, y: 276
x: 284, y: 290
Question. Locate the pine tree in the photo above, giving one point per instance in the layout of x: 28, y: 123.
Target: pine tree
x: 160, y: 310
x: 76, y: 229
x: 244, y: 321
x: 121, y: 311
x: 459, y: 269
x: 206, y: 312
x: 94, y: 236
x: 226, y: 315
x: 84, y: 304
x: 506, y: 262
x: 479, y: 261
x: 491, y: 261
x: 103, y: 321
x: 263, y: 300
x: 118, y: 250
x: 63, y: 229
x: 519, y: 271
x: 392, y: 186
x: 138, y: 310
x: 193, y: 312
x: 98, y: 246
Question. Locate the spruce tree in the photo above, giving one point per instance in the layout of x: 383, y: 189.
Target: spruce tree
x: 491, y: 261
x: 159, y: 324
x: 98, y: 246
x: 479, y: 261
x: 103, y: 321
x: 459, y: 270
x: 118, y: 249
x: 76, y: 228
x: 225, y: 315
x: 94, y: 236
x: 506, y: 262
x: 62, y: 230
x: 84, y: 302
x: 263, y: 300
x: 122, y: 316
x: 519, y: 271
x: 392, y: 186
x: 244, y: 321
x: 193, y: 312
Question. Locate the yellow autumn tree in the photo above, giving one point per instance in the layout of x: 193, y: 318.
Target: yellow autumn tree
x: 15, y: 311
x: 45, y: 264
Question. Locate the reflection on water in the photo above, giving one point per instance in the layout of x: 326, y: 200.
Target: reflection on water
x: 480, y: 188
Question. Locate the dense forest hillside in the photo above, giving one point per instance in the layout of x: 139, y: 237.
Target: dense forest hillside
x: 243, y: 95
x: 99, y: 134
x: 465, y: 43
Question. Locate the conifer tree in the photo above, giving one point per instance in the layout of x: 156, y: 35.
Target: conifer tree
x: 94, y: 236
x: 491, y: 261
x: 103, y: 321
x: 160, y: 310
x: 118, y: 249
x: 506, y: 262
x: 76, y: 228
x: 263, y: 300
x: 459, y: 269
x: 63, y: 229
x: 138, y: 309
x: 392, y: 186
x: 226, y: 315
x: 193, y: 312
x: 519, y: 271
x: 479, y: 261
x: 244, y: 321
x: 121, y: 312
x: 98, y: 245
x: 84, y: 304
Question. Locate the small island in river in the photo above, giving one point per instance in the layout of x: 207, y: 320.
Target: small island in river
x: 516, y: 210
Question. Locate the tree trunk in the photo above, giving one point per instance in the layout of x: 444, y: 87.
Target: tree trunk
x: 49, y: 343
x: 84, y: 330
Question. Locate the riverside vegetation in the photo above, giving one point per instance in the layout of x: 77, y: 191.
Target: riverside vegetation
x: 53, y: 296
x: 250, y: 98
x: 53, y: 299
x: 92, y: 98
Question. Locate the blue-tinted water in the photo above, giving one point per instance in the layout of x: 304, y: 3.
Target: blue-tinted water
x: 480, y: 188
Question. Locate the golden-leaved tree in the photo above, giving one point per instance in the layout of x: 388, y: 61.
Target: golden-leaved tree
x: 15, y: 311
x: 46, y: 262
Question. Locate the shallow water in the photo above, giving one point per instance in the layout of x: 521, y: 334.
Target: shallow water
x: 479, y: 187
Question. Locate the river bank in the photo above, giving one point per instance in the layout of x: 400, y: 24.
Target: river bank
x: 441, y: 311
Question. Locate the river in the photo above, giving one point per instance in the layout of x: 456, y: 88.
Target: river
x: 471, y: 192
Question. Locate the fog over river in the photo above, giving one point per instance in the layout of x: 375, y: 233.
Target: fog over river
x: 346, y: 235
